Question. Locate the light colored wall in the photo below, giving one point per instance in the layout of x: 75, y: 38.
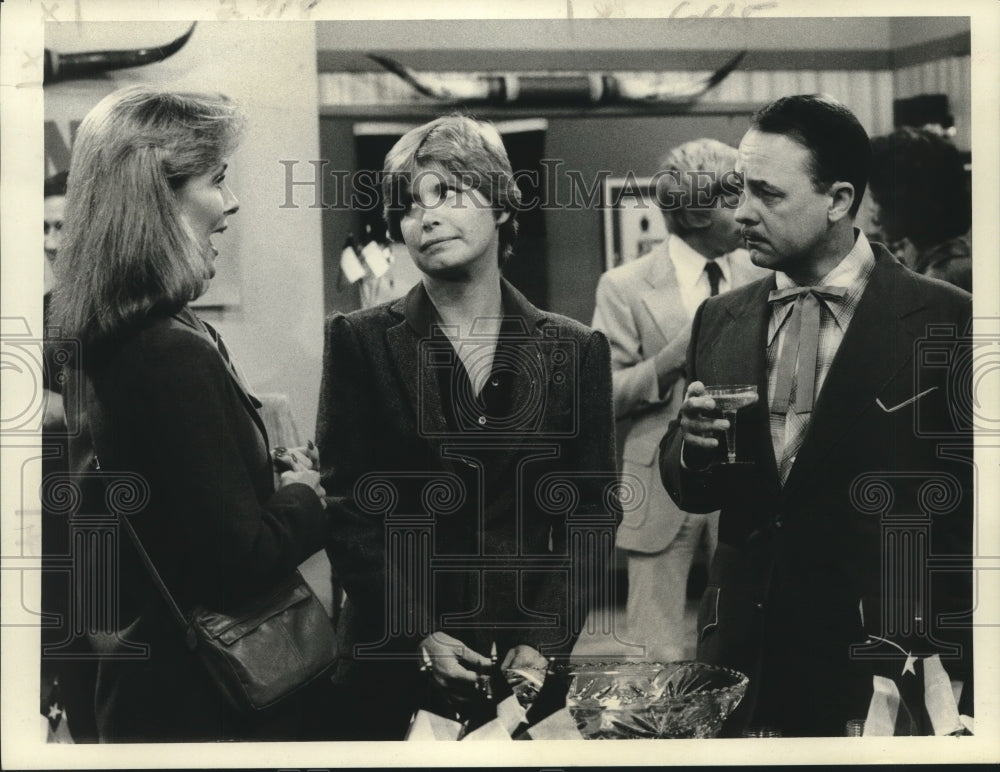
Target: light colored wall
x: 275, y: 254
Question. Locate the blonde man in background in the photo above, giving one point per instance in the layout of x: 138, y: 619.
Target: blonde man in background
x: 645, y: 308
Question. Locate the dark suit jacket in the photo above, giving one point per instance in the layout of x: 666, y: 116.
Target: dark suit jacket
x: 640, y: 309
x: 798, y: 577
x: 162, y: 405
x: 420, y: 544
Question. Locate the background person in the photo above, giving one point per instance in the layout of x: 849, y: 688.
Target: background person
x: 645, y: 308
x: 157, y: 391
x: 67, y: 682
x: 796, y: 588
x: 923, y: 203
x: 55, y: 205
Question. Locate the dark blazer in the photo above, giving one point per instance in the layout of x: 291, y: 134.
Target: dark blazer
x: 506, y: 538
x: 797, y: 580
x: 160, y: 403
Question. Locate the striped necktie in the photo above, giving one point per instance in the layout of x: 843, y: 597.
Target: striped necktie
x: 797, y: 363
x: 795, y: 389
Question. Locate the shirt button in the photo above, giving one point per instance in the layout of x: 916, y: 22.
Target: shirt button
x: 778, y: 523
x: 482, y: 420
x: 759, y: 605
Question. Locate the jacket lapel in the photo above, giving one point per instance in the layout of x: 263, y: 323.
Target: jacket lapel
x: 416, y: 316
x: 739, y: 355
x: 530, y: 386
x: 877, y: 345
x: 252, y: 405
x: 662, y: 298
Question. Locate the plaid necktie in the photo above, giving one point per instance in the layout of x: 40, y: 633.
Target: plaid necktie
x: 795, y: 391
x: 714, y: 276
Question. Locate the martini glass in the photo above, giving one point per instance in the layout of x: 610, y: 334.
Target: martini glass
x: 729, y: 399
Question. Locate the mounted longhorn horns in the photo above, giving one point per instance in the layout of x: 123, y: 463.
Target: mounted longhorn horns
x: 590, y: 89
x: 59, y: 67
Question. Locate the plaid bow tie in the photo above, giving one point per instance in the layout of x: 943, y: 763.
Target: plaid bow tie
x: 801, y: 345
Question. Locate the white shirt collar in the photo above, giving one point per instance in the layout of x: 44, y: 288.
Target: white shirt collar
x: 689, y: 264
x: 851, y: 273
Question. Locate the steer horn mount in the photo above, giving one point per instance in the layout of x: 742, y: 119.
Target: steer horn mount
x: 589, y: 89
x: 60, y: 67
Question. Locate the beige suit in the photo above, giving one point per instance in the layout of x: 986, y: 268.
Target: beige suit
x: 640, y: 309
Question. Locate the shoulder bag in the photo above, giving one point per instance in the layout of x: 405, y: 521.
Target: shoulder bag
x: 260, y: 653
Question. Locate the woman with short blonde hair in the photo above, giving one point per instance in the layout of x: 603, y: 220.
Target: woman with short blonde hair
x: 461, y: 408
x: 457, y: 145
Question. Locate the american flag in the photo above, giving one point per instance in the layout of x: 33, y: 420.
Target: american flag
x: 54, y: 712
x: 921, y: 700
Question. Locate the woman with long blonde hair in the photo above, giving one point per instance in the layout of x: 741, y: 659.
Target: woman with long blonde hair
x: 155, y: 393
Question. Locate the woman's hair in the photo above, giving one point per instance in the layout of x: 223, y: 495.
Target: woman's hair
x: 469, y: 149
x: 126, y: 253
x: 920, y: 185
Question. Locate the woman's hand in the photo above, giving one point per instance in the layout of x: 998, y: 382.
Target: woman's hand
x: 453, y: 665
x: 308, y: 477
x: 524, y: 656
x: 296, y: 459
x: 299, y: 465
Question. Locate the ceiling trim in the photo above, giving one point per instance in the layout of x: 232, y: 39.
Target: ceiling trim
x: 470, y: 60
x: 956, y: 45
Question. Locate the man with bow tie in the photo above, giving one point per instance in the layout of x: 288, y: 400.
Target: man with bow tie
x: 645, y: 307
x: 833, y: 562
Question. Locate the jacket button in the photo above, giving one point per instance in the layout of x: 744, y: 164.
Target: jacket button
x: 759, y: 605
x: 779, y: 523
x: 482, y: 420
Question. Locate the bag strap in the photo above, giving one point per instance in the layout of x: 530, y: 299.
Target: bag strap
x: 158, y: 581
x: 94, y: 417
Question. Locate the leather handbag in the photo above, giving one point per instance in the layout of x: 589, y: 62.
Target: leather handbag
x: 262, y: 652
